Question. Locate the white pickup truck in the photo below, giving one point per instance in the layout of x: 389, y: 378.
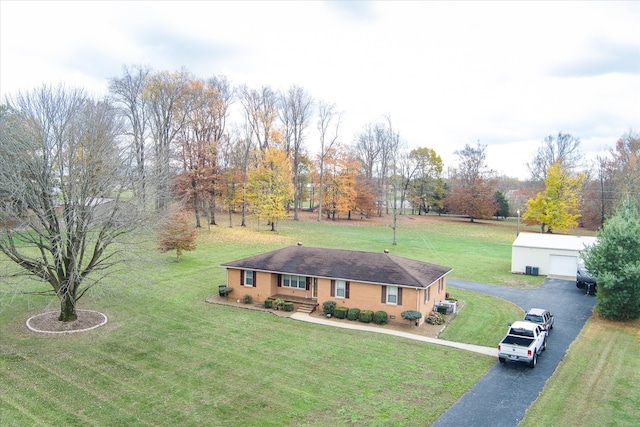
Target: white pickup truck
x: 523, y: 343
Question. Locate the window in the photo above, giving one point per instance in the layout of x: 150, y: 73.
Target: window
x: 427, y: 295
x: 293, y: 281
x: 440, y: 285
x: 248, y: 278
x: 341, y: 288
x: 392, y: 294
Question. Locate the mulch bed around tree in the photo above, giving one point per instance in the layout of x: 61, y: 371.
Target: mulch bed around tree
x: 48, y: 323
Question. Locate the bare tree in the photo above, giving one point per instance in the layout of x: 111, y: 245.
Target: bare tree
x: 295, y: 114
x: 626, y: 166
x: 326, y: 117
x: 232, y: 161
x: 392, y: 151
x: 598, y: 193
x: 61, y: 175
x: 128, y: 93
x: 261, y: 111
x: 367, y: 150
x: 167, y: 102
x: 244, y: 155
x: 563, y: 149
x: 225, y: 97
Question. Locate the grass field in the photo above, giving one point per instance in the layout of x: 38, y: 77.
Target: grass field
x: 598, y: 382
x: 166, y: 357
x: 480, y: 323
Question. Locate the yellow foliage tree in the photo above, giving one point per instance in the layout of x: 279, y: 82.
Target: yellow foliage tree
x: 270, y: 186
x: 556, y: 208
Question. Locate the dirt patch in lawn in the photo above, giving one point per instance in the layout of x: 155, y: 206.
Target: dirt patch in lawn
x: 48, y: 323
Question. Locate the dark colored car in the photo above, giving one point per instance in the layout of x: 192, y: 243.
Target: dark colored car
x: 584, y: 280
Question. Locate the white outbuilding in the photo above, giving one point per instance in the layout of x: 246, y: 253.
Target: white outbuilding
x: 548, y: 254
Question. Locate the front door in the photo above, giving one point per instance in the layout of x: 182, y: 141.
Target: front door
x: 314, y: 288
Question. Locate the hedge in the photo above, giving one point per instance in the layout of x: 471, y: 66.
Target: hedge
x: 340, y: 312
x: 353, y: 314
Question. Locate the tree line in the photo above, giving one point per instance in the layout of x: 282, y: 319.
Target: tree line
x: 78, y: 173
x: 178, y: 146
x: 194, y: 155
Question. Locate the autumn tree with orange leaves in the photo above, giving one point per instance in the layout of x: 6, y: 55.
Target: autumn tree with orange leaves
x: 199, y: 139
x: 341, y: 190
x: 177, y: 233
x: 471, y: 191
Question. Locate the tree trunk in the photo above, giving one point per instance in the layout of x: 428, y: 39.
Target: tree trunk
x: 67, y: 308
x: 196, y: 207
x: 212, y: 210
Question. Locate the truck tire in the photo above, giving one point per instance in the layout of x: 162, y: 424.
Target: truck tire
x: 501, y: 359
x: 544, y: 345
x: 534, y: 361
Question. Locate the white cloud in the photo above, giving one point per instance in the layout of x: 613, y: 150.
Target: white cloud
x: 448, y: 73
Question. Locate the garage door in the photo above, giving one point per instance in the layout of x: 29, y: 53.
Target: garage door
x: 562, y: 265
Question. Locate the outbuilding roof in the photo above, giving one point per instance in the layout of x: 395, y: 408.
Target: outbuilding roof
x: 367, y: 267
x: 553, y: 241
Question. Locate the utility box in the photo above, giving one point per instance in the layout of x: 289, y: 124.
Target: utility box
x: 451, y: 306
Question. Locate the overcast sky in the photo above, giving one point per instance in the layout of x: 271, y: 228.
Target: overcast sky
x: 506, y: 74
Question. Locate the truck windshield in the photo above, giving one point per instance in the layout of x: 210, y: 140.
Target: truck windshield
x: 521, y: 332
x: 532, y: 318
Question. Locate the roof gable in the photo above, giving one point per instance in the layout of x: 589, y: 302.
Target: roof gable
x: 361, y: 266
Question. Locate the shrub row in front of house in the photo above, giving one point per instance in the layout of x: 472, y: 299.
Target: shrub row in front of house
x: 366, y: 316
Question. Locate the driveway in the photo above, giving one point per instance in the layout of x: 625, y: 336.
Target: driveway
x: 503, y: 395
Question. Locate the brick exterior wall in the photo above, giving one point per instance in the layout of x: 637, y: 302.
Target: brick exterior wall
x: 361, y: 295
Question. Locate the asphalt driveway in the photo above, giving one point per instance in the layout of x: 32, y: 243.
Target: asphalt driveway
x: 503, y: 395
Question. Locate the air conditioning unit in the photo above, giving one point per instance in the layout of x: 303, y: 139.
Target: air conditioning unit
x: 452, y: 306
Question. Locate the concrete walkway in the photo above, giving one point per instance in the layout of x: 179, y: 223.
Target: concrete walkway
x: 487, y: 351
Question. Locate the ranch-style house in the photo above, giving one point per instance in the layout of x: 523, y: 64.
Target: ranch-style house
x: 353, y: 279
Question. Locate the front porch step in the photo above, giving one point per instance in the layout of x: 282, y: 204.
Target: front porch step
x: 306, y: 308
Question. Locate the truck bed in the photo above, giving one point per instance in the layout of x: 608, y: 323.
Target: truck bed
x: 519, y: 341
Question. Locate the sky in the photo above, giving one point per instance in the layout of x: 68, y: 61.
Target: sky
x: 448, y: 74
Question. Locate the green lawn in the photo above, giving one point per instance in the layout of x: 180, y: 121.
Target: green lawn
x: 478, y: 251
x: 597, y: 383
x: 483, y: 321
x: 166, y: 357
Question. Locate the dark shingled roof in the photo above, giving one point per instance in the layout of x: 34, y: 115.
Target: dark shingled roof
x: 369, y: 267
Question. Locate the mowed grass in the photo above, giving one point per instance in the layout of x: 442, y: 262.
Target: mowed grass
x: 597, y: 383
x: 168, y: 358
x: 483, y: 321
x: 478, y: 251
